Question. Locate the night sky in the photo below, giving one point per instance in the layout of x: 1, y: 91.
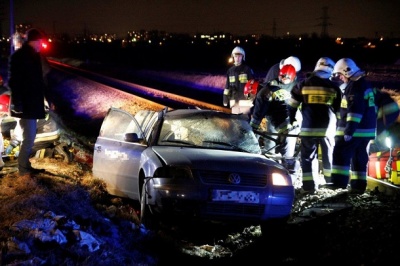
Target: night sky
x: 344, y: 18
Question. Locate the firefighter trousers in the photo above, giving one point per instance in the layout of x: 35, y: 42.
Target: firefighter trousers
x: 309, y: 159
x: 349, y: 163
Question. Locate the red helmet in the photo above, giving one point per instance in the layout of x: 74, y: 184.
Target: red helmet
x: 251, y: 87
x: 4, y: 102
x: 287, y: 74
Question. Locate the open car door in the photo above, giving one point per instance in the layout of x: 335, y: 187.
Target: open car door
x: 117, y: 151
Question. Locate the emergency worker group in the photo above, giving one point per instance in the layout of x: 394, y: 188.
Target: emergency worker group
x: 332, y: 111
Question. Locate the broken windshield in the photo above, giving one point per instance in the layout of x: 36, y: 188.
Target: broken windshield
x: 211, y: 130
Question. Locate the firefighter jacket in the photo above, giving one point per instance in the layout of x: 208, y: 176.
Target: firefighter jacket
x: 357, y: 110
x: 319, y: 99
x: 271, y: 103
x: 26, y: 83
x: 236, y: 79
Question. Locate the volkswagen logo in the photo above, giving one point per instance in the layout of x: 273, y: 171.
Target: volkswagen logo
x: 234, y: 178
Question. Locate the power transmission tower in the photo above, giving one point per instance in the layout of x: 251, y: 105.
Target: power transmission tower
x: 324, y: 24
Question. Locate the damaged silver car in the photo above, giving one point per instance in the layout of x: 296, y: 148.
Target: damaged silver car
x: 196, y: 163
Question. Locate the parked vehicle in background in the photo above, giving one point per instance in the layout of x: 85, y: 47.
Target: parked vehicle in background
x: 195, y: 163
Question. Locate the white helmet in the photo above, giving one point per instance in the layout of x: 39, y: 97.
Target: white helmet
x: 291, y: 60
x: 239, y: 50
x: 325, y: 64
x: 346, y: 67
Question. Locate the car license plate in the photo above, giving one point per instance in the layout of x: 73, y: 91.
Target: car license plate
x: 235, y: 196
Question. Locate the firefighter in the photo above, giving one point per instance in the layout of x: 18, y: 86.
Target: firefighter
x: 356, y: 126
x: 319, y: 98
x: 236, y: 78
x: 273, y: 74
x: 271, y: 103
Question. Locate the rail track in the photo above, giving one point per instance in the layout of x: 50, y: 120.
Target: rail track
x: 163, y: 95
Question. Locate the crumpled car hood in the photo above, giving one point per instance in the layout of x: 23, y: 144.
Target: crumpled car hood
x: 210, y: 159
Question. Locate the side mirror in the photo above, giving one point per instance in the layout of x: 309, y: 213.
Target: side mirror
x: 132, y: 137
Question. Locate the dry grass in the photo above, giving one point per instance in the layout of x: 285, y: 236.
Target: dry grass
x: 68, y: 189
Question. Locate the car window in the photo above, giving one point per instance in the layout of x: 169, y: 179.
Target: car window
x: 146, y: 120
x: 213, y: 130
x: 117, y: 124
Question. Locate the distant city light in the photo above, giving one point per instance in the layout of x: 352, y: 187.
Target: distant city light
x: 161, y: 38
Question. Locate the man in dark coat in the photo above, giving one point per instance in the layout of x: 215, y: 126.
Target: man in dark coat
x: 27, y: 87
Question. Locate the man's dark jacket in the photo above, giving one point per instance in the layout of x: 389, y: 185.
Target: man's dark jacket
x: 26, y: 83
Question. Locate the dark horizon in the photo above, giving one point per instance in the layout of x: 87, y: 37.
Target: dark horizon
x: 345, y: 19
x: 260, y: 54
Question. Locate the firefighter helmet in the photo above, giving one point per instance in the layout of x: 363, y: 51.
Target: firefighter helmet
x: 346, y: 67
x: 239, y: 50
x: 287, y: 74
x: 291, y: 60
x: 325, y: 64
x: 251, y: 87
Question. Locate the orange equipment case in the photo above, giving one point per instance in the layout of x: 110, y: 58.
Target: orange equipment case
x: 377, y: 164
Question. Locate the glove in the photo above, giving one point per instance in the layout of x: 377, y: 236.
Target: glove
x: 347, y: 137
x: 226, y: 96
x: 16, y: 109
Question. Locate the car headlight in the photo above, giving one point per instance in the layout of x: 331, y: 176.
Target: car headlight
x: 279, y: 179
x: 173, y: 172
